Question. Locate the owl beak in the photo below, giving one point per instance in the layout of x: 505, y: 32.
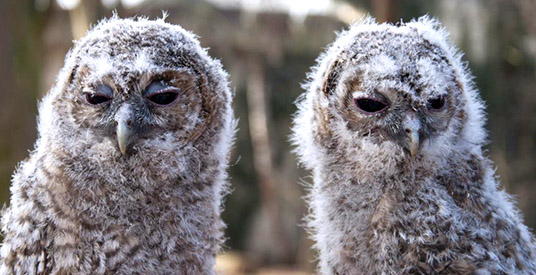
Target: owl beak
x: 123, y: 136
x: 413, y: 143
x: 412, y: 127
x: 125, y: 130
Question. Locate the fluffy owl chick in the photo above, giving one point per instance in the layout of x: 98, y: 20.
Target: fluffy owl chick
x: 392, y: 128
x: 128, y: 171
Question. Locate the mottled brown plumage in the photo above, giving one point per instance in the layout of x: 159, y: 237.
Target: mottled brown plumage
x: 128, y: 171
x: 392, y: 128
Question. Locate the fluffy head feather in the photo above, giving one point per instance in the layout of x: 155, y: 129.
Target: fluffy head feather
x: 410, y: 64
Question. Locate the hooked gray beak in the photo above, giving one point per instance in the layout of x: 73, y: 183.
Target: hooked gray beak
x: 125, y: 130
x: 412, y: 126
x: 413, y: 143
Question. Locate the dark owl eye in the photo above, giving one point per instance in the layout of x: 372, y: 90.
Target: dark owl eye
x: 103, y: 94
x: 161, y: 93
x: 370, y: 105
x: 436, y: 104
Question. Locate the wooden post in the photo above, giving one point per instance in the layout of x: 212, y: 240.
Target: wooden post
x: 262, y: 161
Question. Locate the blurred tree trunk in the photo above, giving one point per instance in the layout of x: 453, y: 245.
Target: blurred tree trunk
x: 385, y: 10
x: 21, y: 54
x: 270, y: 244
x: 80, y: 17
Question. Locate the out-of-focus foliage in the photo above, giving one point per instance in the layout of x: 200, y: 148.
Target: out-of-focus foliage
x: 268, y: 53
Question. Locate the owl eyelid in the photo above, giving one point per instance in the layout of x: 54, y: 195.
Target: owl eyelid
x: 371, y: 105
x: 105, y: 90
x: 97, y: 98
x: 375, y: 95
x: 102, y: 94
x: 161, y: 91
x: 164, y: 96
x: 99, y: 94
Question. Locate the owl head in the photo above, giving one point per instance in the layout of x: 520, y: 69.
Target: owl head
x: 388, y: 92
x: 142, y: 93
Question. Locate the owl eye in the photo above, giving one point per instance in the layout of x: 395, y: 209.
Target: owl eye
x: 103, y: 94
x: 436, y: 104
x: 370, y: 105
x: 161, y: 93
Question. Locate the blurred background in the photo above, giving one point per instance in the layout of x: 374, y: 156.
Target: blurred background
x: 268, y: 46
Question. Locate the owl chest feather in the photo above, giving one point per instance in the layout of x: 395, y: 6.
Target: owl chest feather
x: 416, y: 222
x: 108, y: 226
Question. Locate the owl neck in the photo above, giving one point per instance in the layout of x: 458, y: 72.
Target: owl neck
x: 95, y: 192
